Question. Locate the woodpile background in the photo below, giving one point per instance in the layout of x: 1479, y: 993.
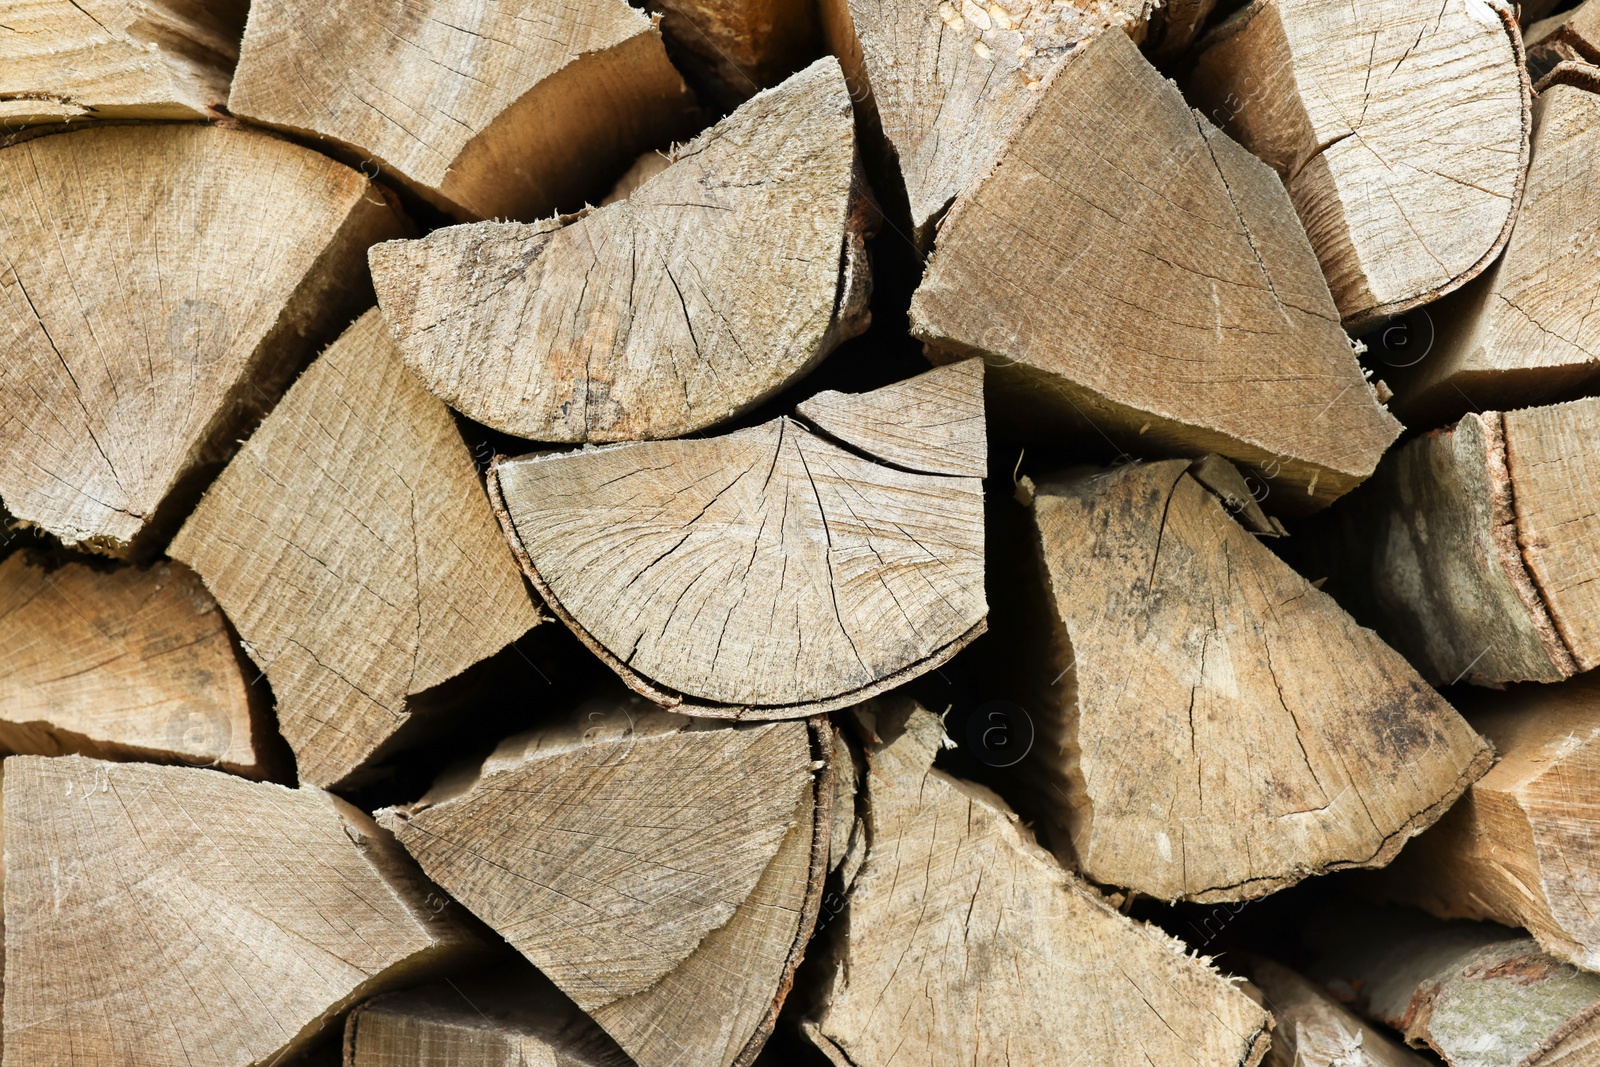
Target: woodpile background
x: 804, y: 532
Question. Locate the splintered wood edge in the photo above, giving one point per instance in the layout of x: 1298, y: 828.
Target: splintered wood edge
x: 678, y: 702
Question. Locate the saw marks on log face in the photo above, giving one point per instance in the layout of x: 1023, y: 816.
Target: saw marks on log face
x: 149, y: 59
x: 951, y: 79
x: 358, y: 496
x: 475, y: 107
x: 1274, y: 738
x: 1399, y: 128
x: 137, y: 898
x: 1239, y: 352
x: 768, y: 573
x: 660, y: 876
x: 713, y: 285
x: 158, y: 285
x: 967, y: 943
x: 130, y: 663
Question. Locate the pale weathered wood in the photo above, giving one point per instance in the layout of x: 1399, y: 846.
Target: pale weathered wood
x: 1475, y: 993
x: 130, y: 664
x: 510, y: 1016
x: 946, y: 83
x: 158, y: 287
x: 502, y: 110
x: 735, y: 48
x: 1526, y: 332
x: 768, y: 573
x: 964, y: 942
x: 1399, y: 128
x: 1273, y: 737
x: 932, y: 423
x: 1315, y: 1030
x: 665, y: 876
x: 713, y: 285
x: 1573, y: 35
x: 352, y: 546
x: 1184, y: 311
x: 148, y: 59
x: 172, y: 915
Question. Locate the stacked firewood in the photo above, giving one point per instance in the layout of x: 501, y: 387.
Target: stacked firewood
x: 864, y: 532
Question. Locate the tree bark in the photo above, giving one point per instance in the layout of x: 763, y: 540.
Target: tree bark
x: 1315, y: 1030
x: 1572, y: 36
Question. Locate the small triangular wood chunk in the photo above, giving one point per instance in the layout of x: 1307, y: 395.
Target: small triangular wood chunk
x: 1400, y: 130
x: 1275, y: 738
x: 162, y: 915
x: 768, y: 573
x: 965, y: 941
x: 486, y: 111
x: 713, y: 285
x: 159, y: 285
x: 663, y: 875
x: 352, y: 546
x: 1043, y: 265
x: 932, y: 423
x: 116, y: 59
x: 125, y: 663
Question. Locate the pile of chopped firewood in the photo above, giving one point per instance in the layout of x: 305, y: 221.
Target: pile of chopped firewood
x: 862, y: 532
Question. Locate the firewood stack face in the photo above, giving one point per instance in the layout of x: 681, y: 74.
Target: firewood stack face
x: 506, y: 554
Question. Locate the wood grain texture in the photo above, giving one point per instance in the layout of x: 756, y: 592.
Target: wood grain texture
x: 732, y: 49
x: 159, y: 285
x: 932, y: 424
x: 129, y: 664
x: 1274, y: 737
x: 1399, y: 129
x: 1314, y: 1030
x: 504, y: 110
x: 1573, y: 35
x: 712, y: 286
x: 1175, y: 26
x: 352, y: 546
x: 137, y: 899
x: 149, y: 59
x: 664, y: 876
x: 1182, y: 312
x: 765, y: 574
x: 965, y: 942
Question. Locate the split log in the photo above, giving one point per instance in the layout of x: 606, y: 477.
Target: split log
x: 147, y: 59
x: 1275, y: 737
x: 1476, y: 994
x: 1521, y: 847
x: 963, y: 938
x: 138, y: 898
x: 1477, y: 544
x: 161, y: 284
x: 1175, y: 26
x: 124, y: 664
x: 665, y: 876
x: 352, y: 546
x: 507, y: 1017
x: 483, y: 111
x: 1523, y: 333
x: 732, y: 49
x: 1399, y: 129
x: 1572, y: 36
x: 1238, y: 348
x: 713, y: 285
x: 945, y: 85
x: 769, y: 573
x: 1315, y: 1030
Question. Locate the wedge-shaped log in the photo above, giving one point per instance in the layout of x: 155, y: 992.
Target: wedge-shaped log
x: 509, y: 1016
x: 1315, y: 1030
x: 769, y: 573
x: 709, y: 288
x: 148, y: 59
x: 1275, y: 738
x: 972, y: 939
x: 504, y: 110
x: 1400, y: 130
x: 351, y: 545
x: 1475, y: 546
x: 732, y: 49
x: 1572, y: 36
x: 137, y: 897
x: 1524, y: 333
x: 1475, y: 993
x: 131, y: 664
x: 665, y: 877
x: 1238, y: 350
x: 160, y: 286
x: 1523, y: 846
x: 946, y: 84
